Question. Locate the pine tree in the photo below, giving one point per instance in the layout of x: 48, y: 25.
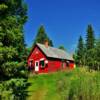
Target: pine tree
x: 88, y: 54
x: 93, y: 56
x: 90, y: 51
x: 42, y: 36
x: 80, y: 52
x: 12, y: 46
x: 97, y: 55
x: 90, y: 38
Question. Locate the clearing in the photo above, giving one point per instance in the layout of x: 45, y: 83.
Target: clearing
x: 77, y: 84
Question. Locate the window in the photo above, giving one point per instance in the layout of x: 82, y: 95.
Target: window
x: 42, y: 64
x: 36, y: 63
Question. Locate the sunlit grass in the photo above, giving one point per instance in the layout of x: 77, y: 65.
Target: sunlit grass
x: 77, y: 84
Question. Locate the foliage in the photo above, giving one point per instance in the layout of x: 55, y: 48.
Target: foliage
x: 28, y: 50
x: 16, y: 89
x: 90, y: 38
x: 88, y: 54
x: 62, y: 47
x: 42, y: 36
x: 12, y: 48
x: 80, y: 52
x: 95, y: 58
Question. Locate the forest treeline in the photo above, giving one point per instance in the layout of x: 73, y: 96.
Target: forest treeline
x: 88, y: 50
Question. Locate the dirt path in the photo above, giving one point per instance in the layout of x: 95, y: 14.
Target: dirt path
x: 38, y: 95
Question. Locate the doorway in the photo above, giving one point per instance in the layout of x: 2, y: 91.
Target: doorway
x: 36, y: 66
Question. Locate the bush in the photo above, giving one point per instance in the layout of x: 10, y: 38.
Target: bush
x: 14, y: 89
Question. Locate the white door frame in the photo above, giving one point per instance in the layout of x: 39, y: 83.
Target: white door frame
x: 36, y: 66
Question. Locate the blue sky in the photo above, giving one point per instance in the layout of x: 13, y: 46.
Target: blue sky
x: 64, y: 20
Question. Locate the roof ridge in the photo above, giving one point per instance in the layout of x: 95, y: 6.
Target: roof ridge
x: 54, y: 52
x: 52, y: 47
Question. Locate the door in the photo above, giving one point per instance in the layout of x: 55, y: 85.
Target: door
x: 36, y: 66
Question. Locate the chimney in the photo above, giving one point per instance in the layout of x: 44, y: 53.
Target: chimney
x: 46, y: 43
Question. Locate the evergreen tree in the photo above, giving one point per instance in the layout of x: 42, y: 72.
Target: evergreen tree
x: 90, y: 38
x: 42, y: 36
x: 90, y: 51
x: 51, y: 43
x: 62, y: 47
x: 97, y: 55
x: 92, y: 56
x: 12, y: 46
x: 80, y: 52
x: 88, y: 54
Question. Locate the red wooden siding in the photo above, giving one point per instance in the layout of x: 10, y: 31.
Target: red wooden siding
x: 36, y: 55
x: 53, y: 63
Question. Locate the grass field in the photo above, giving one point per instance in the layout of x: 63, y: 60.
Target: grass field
x: 78, y: 84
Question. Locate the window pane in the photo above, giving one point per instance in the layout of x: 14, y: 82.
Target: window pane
x: 42, y: 63
x: 36, y: 63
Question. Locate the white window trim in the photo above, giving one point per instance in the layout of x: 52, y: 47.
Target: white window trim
x: 41, y: 59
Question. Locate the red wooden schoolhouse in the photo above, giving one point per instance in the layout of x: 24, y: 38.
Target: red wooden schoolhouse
x: 44, y: 59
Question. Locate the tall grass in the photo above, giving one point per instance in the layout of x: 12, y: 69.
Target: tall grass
x: 81, y: 85
x: 78, y: 84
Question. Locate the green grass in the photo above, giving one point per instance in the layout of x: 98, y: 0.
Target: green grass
x: 78, y: 84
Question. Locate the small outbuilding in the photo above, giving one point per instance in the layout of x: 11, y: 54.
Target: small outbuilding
x: 44, y: 59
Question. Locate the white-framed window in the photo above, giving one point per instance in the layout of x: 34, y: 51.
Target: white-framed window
x: 42, y: 62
